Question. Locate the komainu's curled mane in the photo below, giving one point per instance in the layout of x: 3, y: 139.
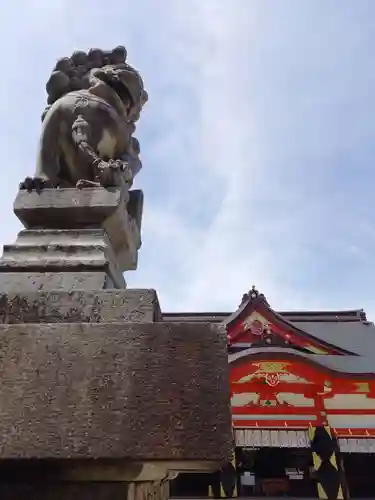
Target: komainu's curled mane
x: 94, y: 100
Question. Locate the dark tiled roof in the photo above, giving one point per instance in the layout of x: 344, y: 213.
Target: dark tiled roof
x: 356, y: 365
x: 358, y: 337
x: 348, y: 330
x: 355, y: 315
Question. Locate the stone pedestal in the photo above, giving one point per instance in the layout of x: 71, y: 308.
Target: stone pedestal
x: 99, y: 398
x: 74, y: 239
x: 73, y: 258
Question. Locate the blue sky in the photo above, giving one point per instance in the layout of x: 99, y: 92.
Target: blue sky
x: 258, y: 141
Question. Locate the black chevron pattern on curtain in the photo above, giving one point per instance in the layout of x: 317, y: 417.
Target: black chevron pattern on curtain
x: 327, y: 462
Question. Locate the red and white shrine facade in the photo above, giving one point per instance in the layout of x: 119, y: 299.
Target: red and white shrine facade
x: 302, y: 382
x: 287, y: 376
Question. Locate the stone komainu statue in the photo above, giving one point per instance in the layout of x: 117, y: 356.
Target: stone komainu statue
x: 94, y: 100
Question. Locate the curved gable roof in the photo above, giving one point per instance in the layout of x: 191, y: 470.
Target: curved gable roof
x: 354, y: 365
x: 254, y: 301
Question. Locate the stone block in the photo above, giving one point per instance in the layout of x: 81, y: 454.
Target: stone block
x: 138, y: 306
x: 117, y: 211
x: 24, y: 281
x: 66, y: 208
x: 62, y: 250
x: 130, y: 391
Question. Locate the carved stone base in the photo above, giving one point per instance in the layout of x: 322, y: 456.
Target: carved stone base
x: 30, y: 281
x: 116, y: 211
x: 62, y: 251
x: 103, y: 306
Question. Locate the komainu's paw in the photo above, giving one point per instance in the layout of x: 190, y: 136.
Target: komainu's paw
x: 107, y: 172
x: 34, y: 184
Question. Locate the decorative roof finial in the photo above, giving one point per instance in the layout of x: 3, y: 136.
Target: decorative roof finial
x: 252, y: 294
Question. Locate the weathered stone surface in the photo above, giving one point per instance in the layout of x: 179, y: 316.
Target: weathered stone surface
x: 66, y: 208
x: 80, y: 306
x: 59, y: 250
x: 124, y: 230
x: 114, y: 390
x: 116, y: 211
x: 24, y: 281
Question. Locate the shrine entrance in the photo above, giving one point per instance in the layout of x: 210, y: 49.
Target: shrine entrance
x: 260, y: 472
x: 275, y: 472
x: 359, y: 472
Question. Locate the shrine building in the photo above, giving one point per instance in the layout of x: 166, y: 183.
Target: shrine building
x: 302, y: 390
